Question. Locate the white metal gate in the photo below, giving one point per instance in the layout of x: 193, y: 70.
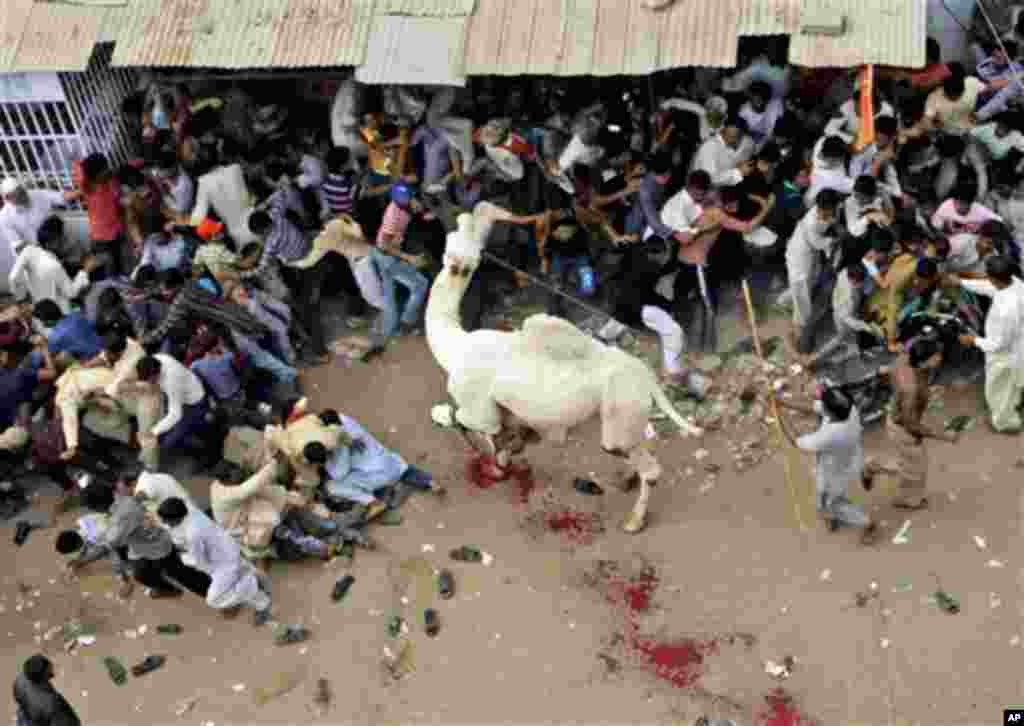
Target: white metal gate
x: 39, y: 139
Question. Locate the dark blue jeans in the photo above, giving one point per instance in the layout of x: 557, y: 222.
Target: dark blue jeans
x: 193, y: 420
x: 417, y: 478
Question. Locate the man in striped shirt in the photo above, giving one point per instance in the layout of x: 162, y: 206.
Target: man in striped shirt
x: 191, y: 301
x: 338, y: 191
x: 283, y: 241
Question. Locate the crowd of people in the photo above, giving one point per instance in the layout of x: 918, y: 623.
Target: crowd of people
x: 198, y: 297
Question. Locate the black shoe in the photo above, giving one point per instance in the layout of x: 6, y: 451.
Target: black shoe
x: 446, y: 584
x: 432, y: 623
x: 21, y: 532
x: 148, y: 665
x: 586, y: 486
x: 341, y: 588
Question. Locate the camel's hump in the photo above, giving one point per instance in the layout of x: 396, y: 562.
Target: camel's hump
x: 556, y: 338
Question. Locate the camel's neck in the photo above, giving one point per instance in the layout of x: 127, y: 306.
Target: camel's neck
x: 443, y: 321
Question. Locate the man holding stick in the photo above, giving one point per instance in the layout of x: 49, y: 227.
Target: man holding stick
x: 838, y: 445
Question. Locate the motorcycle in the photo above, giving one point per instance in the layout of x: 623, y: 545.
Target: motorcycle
x: 870, y: 391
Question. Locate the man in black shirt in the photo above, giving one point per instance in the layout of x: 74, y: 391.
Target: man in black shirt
x: 38, y: 702
x: 567, y: 250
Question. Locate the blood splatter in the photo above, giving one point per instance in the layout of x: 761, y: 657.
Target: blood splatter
x: 484, y: 472
x: 577, y: 527
x: 523, y: 475
x: 680, y: 663
x: 636, y: 594
x: 779, y: 710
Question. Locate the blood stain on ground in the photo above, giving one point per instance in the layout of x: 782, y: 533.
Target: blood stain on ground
x: 779, y: 710
x: 680, y: 663
x: 483, y: 472
x: 577, y: 527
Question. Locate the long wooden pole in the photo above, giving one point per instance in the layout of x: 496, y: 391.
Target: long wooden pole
x: 794, y: 494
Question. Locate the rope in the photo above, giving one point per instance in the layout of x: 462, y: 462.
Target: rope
x: 999, y: 40
x: 597, y: 312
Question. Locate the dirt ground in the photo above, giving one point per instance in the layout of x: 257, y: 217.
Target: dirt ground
x: 534, y: 637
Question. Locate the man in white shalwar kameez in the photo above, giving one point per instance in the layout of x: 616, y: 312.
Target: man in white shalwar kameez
x: 235, y: 582
x: 1003, y: 342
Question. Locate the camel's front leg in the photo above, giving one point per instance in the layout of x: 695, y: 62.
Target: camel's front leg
x: 648, y: 470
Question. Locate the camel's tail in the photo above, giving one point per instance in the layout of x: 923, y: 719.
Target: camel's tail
x: 666, y: 407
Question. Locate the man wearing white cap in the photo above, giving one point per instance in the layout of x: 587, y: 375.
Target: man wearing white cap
x: 22, y: 215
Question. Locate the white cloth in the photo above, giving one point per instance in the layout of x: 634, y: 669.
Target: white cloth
x: 847, y: 299
x: 673, y: 341
x: 39, y: 274
x: 826, y: 176
x: 1005, y: 319
x: 721, y: 161
x: 1003, y: 345
x: 579, y: 153
x: 809, y: 238
x: 681, y: 104
x: 156, y: 489
x: 680, y: 212
x: 856, y: 224
x: 847, y: 124
x: 213, y: 551
x: 963, y: 255
x: 182, y: 388
x: 19, y: 226
x: 224, y: 190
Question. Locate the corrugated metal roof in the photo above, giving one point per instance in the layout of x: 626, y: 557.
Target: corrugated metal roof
x: 886, y: 32
x: 770, y: 17
x: 599, y: 37
x: 14, y: 15
x: 59, y: 37
x: 395, y: 53
x: 427, y: 8
x: 244, y: 33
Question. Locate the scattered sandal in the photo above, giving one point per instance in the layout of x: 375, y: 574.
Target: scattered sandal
x: 446, y: 584
x: 341, y: 588
x: 588, y: 487
x: 432, y: 622
x: 290, y: 634
x: 870, y: 535
x: 466, y: 554
x: 149, y: 664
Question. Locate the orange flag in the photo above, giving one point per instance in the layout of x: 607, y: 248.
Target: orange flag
x: 866, y: 135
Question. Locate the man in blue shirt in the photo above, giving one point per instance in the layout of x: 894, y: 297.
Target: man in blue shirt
x: 364, y: 471
x: 17, y: 387
x: 70, y: 335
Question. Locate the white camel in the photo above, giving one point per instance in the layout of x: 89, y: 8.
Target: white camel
x: 547, y: 377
